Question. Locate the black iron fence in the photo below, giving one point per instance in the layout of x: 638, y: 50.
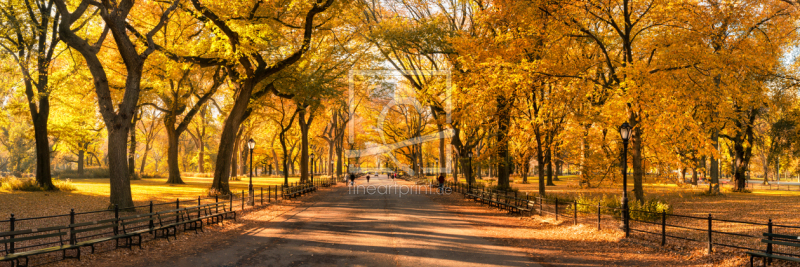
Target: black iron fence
x: 666, y: 229
x: 238, y: 201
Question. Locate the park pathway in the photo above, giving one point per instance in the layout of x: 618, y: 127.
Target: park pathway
x: 348, y: 229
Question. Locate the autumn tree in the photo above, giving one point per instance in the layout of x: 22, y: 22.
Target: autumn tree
x: 178, y: 112
x: 29, y: 34
x: 249, y: 59
x: 116, y: 20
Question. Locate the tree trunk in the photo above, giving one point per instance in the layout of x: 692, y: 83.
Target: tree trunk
x: 222, y: 167
x: 43, y: 177
x: 636, y: 155
x: 201, y: 153
x: 81, y: 156
x: 540, y: 162
x: 548, y: 164
x: 503, y: 120
x: 132, y: 151
x: 526, y: 166
x: 305, y: 124
x: 713, y: 183
x: 766, y: 167
x: 442, y: 162
x: 172, y: 154
x: 144, y: 159
x: 235, y: 157
x: 682, y: 178
x: 478, y: 167
x: 117, y: 166
x: 339, y: 151
x: 743, y: 152
x: 285, y: 158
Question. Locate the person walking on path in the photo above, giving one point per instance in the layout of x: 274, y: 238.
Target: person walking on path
x: 352, y: 179
x: 367, y: 178
x: 441, y: 183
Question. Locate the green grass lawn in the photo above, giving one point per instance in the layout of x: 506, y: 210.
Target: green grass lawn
x: 93, y: 193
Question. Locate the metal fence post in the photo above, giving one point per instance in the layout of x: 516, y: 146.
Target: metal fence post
x: 71, y: 229
x: 151, y: 216
x: 116, y: 222
x: 663, y: 227
x: 709, y: 234
x: 11, y: 222
x: 575, y: 213
x: 541, y: 211
x: 262, y: 196
x: 598, y: 217
x: 242, y: 199
x: 177, y: 206
x: 198, y: 206
x: 769, y: 245
x: 556, y: 209
x: 231, y: 201
x: 216, y: 201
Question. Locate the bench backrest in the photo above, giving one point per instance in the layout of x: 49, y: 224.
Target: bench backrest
x: 80, y: 228
x: 166, y: 216
x: 128, y: 223
x: 31, y: 234
x: 791, y: 237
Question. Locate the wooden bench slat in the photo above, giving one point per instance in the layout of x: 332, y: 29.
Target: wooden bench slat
x: 783, y: 243
x: 17, y: 239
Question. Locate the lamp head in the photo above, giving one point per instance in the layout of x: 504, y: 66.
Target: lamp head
x: 251, y: 143
x: 625, y: 131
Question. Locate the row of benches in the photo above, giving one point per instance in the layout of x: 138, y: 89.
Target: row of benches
x: 328, y: 182
x: 162, y: 224
x: 298, y: 190
x: 503, y: 201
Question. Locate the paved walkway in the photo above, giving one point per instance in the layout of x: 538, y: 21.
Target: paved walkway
x: 344, y: 229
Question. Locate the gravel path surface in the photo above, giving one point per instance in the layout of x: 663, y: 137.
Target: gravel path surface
x: 348, y: 229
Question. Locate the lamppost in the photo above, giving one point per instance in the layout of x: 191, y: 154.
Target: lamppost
x: 625, y: 133
x: 312, y: 167
x: 251, y: 144
x: 470, y: 179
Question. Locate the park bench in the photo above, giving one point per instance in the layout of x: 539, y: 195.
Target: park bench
x: 775, y: 240
x: 10, y: 237
x: 226, y: 211
x: 288, y: 192
x: 195, y: 223
x: 131, y: 226
x: 310, y: 188
x: 471, y: 194
x: 91, y: 229
x: 168, y: 220
x: 502, y: 201
x: 516, y: 204
x: 211, y: 213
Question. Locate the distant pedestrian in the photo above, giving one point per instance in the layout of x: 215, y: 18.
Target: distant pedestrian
x: 367, y: 178
x: 352, y: 179
x: 441, y: 183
